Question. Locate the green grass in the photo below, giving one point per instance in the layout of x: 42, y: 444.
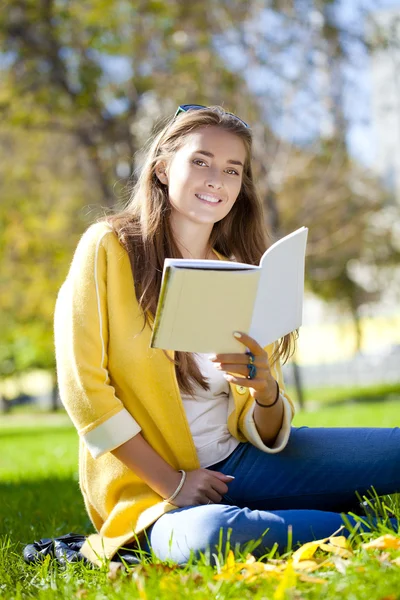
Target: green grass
x: 381, y: 392
x: 39, y: 497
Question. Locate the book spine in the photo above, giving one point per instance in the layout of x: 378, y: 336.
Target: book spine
x: 160, y: 306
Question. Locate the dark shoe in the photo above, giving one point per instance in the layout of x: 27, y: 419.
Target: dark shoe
x: 66, y: 549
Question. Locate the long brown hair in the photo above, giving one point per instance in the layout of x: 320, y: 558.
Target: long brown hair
x: 143, y: 226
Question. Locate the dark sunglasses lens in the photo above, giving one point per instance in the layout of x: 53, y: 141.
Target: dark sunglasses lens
x: 185, y: 107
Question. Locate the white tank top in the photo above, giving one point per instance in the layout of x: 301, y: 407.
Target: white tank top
x: 207, y: 414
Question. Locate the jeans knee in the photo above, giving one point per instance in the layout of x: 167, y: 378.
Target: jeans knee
x: 193, y: 530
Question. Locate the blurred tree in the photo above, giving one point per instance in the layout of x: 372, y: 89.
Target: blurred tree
x: 82, y: 85
x: 317, y: 183
x: 342, y: 204
x: 44, y: 184
x: 87, y: 69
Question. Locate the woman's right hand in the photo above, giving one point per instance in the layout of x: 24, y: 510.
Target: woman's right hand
x: 201, y: 486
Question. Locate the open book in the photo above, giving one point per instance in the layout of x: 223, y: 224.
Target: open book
x: 202, y: 302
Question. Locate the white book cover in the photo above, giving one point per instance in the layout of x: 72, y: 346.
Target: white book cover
x: 202, y: 302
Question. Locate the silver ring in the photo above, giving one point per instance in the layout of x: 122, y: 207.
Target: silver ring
x: 251, y: 366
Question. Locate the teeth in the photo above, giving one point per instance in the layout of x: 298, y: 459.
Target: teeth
x: 208, y: 198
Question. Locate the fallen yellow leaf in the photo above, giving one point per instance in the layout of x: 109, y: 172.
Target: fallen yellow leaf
x: 385, y: 541
x: 230, y: 568
x: 289, y: 578
x: 338, y: 550
x: 169, y: 584
x: 114, y: 569
x: 307, y: 565
x: 307, y: 551
x: 309, y: 579
x: 139, y: 580
x: 230, y: 562
x: 341, y: 541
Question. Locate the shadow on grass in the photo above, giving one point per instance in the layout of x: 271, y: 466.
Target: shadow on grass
x: 364, y: 398
x: 340, y: 396
x: 30, y: 510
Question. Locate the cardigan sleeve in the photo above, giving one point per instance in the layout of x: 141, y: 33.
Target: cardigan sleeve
x: 81, y: 341
x: 247, y: 424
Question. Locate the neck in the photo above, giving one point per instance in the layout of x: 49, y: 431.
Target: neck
x: 193, y: 240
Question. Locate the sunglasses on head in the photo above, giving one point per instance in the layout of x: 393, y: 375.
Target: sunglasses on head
x: 185, y: 107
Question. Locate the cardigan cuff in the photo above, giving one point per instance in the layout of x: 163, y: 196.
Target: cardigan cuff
x: 253, y: 436
x: 112, y: 433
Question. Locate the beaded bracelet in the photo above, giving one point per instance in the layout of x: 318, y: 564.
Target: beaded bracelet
x: 274, y: 402
x: 178, y: 489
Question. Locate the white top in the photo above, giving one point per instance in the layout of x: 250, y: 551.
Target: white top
x: 207, y: 414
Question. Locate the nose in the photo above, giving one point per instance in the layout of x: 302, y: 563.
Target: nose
x: 214, y: 181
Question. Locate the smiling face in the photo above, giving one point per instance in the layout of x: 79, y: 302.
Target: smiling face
x: 205, y: 176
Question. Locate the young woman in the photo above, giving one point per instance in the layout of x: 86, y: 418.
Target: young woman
x: 180, y: 446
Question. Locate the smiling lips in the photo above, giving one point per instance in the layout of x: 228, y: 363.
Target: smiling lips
x: 208, y: 198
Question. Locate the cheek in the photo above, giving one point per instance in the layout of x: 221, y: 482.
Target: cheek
x: 180, y: 175
x: 235, y: 190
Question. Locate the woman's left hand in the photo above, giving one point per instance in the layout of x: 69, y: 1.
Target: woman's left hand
x: 263, y: 386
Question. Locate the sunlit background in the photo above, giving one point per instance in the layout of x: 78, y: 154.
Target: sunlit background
x: 82, y: 86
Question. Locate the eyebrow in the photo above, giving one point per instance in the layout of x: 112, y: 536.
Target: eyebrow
x: 211, y: 155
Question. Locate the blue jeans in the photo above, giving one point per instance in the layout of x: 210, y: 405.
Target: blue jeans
x: 306, y: 486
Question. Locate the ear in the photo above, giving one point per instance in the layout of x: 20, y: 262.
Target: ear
x: 161, y: 173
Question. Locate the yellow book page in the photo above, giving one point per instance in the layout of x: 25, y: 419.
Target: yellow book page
x: 201, y: 309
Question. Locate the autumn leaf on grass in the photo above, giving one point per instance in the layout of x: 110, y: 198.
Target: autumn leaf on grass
x: 301, y: 561
x: 289, y: 579
x: 337, y: 545
x: 302, y: 555
x: 140, y: 584
x: 230, y: 568
x: 310, y: 579
x: 114, y: 570
x: 249, y: 570
x: 384, y: 542
x: 169, y: 584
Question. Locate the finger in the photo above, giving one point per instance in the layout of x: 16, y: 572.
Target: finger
x: 219, y: 487
x: 220, y: 475
x: 262, y: 370
x: 239, y: 359
x: 256, y: 383
x: 212, y: 495
x: 250, y: 342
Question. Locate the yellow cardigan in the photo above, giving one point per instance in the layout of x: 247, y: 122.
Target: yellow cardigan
x: 113, y: 385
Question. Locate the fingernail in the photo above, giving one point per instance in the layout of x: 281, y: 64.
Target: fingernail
x: 230, y: 476
x: 237, y: 334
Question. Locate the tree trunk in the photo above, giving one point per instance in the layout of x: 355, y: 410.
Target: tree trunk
x: 298, y: 384
x: 54, y: 394
x: 5, y: 406
x: 357, y: 326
